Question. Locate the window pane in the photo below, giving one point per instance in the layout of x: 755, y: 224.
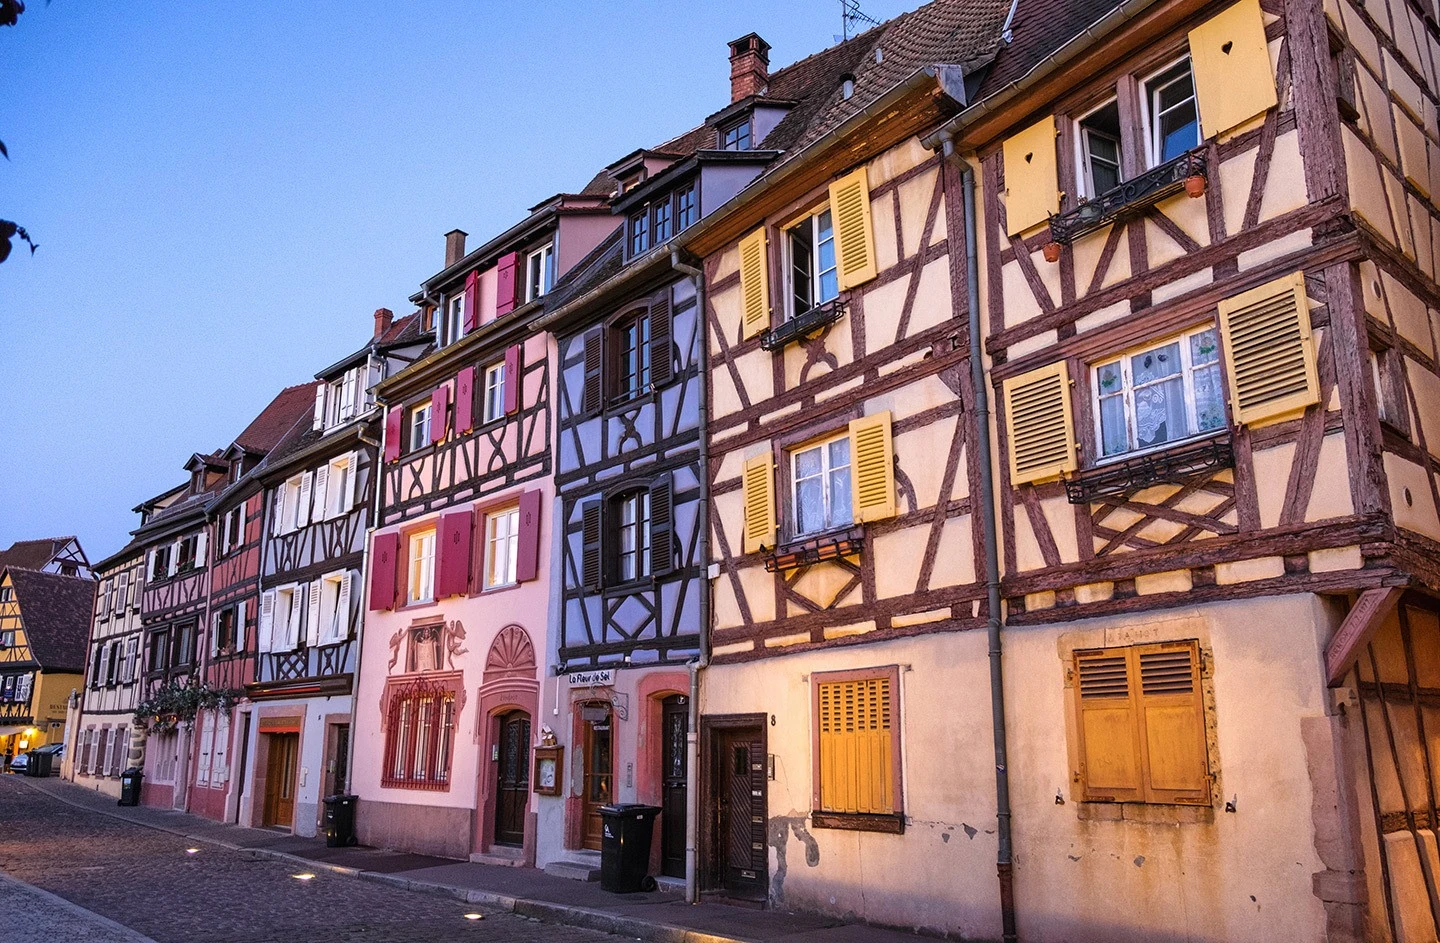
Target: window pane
x: 809, y: 506
x: 1113, y: 436
x: 1209, y: 403
x: 1204, y: 347
x: 1179, y: 131
x: 828, y: 284
x: 1159, y: 413
x: 841, y: 513
x: 1152, y: 365
x: 807, y: 463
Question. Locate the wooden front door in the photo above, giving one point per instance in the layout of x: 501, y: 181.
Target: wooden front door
x: 280, y: 775
x: 512, y: 779
x: 674, y: 725
x: 738, y: 854
x: 599, y: 761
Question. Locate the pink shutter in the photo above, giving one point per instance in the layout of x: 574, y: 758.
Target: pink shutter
x: 472, y: 301
x: 465, y: 400
x: 384, y: 567
x: 392, y: 435
x: 512, y: 379
x: 439, y: 412
x: 527, y: 557
x: 452, y: 570
x: 507, y: 283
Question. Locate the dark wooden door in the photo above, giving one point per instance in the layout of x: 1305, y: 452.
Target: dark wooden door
x: 280, y: 776
x: 740, y: 863
x: 598, y: 770
x: 512, y: 779
x: 674, y: 765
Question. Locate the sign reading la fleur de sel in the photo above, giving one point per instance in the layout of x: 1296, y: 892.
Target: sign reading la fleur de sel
x: 602, y: 678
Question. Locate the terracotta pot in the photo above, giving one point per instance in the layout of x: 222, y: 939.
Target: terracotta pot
x: 1052, y: 251
x: 1195, y: 186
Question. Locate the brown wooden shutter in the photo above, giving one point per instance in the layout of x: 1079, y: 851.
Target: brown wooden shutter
x: 1269, y: 355
x: 591, y: 567
x: 1230, y: 59
x: 1110, y: 767
x: 593, y: 398
x: 662, y: 354
x: 758, y: 487
x: 856, y: 755
x: 1038, y: 421
x: 854, y: 237
x: 754, y: 285
x: 662, y: 525
x: 1032, y: 190
x: 1172, y: 722
x: 872, y: 468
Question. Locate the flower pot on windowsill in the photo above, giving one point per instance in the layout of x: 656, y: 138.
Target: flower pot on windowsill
x: 1195, y: 186
x: 1052, y: 251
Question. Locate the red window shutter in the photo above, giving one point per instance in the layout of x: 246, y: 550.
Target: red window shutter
x: 452, y: 570
x: 465, y: 400
x: 384, y: 563
x: 472, y: 301
x: 512, y: 379
x: 439, y: 412
x: 527, y: 555
x: 392, y: 435
x: 507, y: 283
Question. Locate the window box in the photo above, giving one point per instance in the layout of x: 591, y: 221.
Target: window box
x: 816, y: 550
x: 1132, y: 196
x: 803, y: 325
x: 1172, y: 465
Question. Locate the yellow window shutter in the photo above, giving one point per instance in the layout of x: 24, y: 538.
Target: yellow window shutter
x: 1110, y: 767
x: 754, y: 285
x: 1039, y: 424
x: 854, y: 238
x: 872, y: 468
x: 1230, y: 59
x: 1269, y: 354
x: 758, y: 487
x: 1032, y: 189
x: 1172, y: 718
x: 856, y: 752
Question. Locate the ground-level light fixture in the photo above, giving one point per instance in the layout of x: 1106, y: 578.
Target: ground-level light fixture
x: 192, y: 851
x: 474, y: 916
x: 307, y: 876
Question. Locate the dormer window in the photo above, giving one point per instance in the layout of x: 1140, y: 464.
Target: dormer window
x: 539, y: 271
x: 687, y: 211
x: 736, y: 137
x: 454, y: 325
x: 847, y: 87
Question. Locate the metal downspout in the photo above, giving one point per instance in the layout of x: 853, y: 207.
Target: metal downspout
x: 1004, y: 858
x: 692, y: 738
x: 376, y: 476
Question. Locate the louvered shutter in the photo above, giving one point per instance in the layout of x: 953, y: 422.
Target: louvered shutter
x: 202, y: 545
x: 1110, y: 767
x: 348, y: 383
x: 507, y: 283
x: 393, y: 422
x: 662, y: 353
x: 1040, y: 429
x: 322, y: 493
x: 593, y: 398
x: 1230, y: 59
x: 439, y: 412
x: 512, y: 379
x: 102, y: 664
x: 295, y: 619
x: 215, y: 634
x: 277, y: 512
x: 591, y: 566
x: 344, y: 605
x: 527, y: 551
x: 754, y: 285
x: 1032, y: 190
x: 207, y: 745
x: 219, y: 756
x: 1269, y: 354
x: 872, y: 468
x: 758, y: 491
x: 662, y: 525
x: 854, y: 237
x: 1172, y: 722
x: 120, y: 743
x: 465, y: 400
x: 352, y: 472
x: 312, y: 613
x: 384, y: 561
x: 318, y: 421
x: 240, y: 526
x: 452, y: 550
x: 856, y: 754
x: 173, y: 564
x: 472, y: 301
x: 307, y: 496
x: 266, y: 641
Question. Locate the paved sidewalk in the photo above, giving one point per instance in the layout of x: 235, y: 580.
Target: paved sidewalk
x: 657, y: 917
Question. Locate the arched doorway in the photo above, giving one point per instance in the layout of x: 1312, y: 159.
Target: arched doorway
x: 512, y: 779
x: 509, y: 702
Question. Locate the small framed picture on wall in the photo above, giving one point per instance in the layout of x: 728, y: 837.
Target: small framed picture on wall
x: 546, y: 777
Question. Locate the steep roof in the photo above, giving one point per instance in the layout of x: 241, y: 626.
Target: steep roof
x: 56, y: 612
x: 276, y: 419
x: 1039, y: 28
x: 32, y: 554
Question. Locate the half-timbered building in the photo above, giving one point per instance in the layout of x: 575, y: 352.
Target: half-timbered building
x: 62, y: 555
x: 44, y: 622
x: 98, y: 749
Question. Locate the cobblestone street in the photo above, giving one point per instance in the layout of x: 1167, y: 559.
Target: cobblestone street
x: 147, y: 881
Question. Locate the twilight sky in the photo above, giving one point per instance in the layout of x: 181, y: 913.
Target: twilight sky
x: 224, y: 192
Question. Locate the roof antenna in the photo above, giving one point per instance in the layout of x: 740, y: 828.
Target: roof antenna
x: 851, y: 14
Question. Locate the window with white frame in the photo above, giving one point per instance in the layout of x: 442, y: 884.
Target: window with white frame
x: 420, y: 426
x: 1099, y: 145
x: 814, y: 278
x: 632, y: 532
x: 539, y: 271
x: 1159, y: 394
x: 227, y: 628
x: 1171, y: 115
x: 290, y: 504
x: 339, y: 494
x: 335, y: 402
x: 454, y: 327
x: 422, y: 566
x: 232, y: 530
x: 494, y: 404
x: 285, y: 627
x: 502, y: 546
x: 820, y: 477
x: 334, y: 607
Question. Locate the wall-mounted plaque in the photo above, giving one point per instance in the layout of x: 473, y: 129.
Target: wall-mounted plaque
x: 546, y: 777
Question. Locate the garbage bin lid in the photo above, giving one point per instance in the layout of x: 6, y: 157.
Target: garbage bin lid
x: 629, y: 808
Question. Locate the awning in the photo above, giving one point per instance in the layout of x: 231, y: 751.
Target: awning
x: 1369, y: 611
x: 11, y: 731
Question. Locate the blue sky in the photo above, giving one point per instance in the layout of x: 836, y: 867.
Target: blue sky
x: 224, y: 192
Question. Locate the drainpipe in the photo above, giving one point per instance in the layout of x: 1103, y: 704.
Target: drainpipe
x: 376, y: 474
x: 1004, y: 858
x: 692, y: 739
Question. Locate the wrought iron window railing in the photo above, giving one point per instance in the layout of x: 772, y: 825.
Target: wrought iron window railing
x: 802, y: 325
x: 1129, y: 475
x: 1131, y: 196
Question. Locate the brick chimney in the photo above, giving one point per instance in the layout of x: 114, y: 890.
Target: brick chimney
x: 749, y: 66
x: 384, y: 318
x: 454, y: 246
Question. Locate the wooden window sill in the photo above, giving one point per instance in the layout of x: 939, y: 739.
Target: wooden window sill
x: 892, y: 824
x: 1146, y: 813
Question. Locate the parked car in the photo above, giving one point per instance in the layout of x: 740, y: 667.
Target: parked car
x: 22, y: 761
x: 19, y: 762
